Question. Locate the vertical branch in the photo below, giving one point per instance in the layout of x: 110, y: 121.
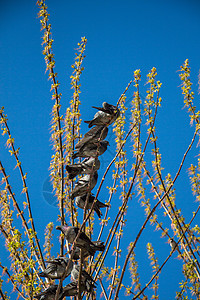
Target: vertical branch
x: 116, y: 173
x: 120, y: 166
x: 133, y: 268
x: 155, y: 267
x: 10, y: 143
x: 56, y: 166
x: 73, y: 122
x: 48, y: 240
x: 174, y: 216
x: 149, y: 216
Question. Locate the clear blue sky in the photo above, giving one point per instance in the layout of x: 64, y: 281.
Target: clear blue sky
x: 122, y: 36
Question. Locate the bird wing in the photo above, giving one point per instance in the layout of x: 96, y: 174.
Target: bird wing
x: 85, y: 238
x: 51, y: 268
x: 55, y: 261
x: 89, y: 136
x: 82, y: 182
x: 93, y: 131
x: 87, y: 276
x: 50, y: 290
x: 82, y: 142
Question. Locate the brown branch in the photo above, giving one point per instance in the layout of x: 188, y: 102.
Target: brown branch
x: 25, y: 188
x: 150, y: 214
x: 84, y: 222
x: 172, y: 208
x: 2, y: 295
x: 172, y: 251
x: 122, y: 95
x: 52, y: 75
x: 11, y: 279
x: 103, y: 289
x: 17, y: 257
x: 21, y: 213
x: 121, y: 211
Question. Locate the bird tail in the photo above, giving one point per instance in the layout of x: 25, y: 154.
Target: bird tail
x: 42, y: 274
x: 89, y: 286
x: 89, y: 123
x: 99, y: 246
x: 97, y: 210
x: 88, y: 247
x: 101, y: 204
x: 75, y: 155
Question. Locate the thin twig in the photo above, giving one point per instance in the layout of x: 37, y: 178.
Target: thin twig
x: 172, y: 251
x: 21, y: 214
x: 25, y: 188
x: 11, y: 279
x: 150, y: 214
x: 103, y: 289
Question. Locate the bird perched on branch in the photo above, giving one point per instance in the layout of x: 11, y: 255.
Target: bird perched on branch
x: 174, y: 246
x: 106, y: 115
x: 84, y: 185
x: 49, y: 293
x: 85, y: 253
x: 85, y: 167
x: 71, y: 290
x: 91, y: 149
x: 81, y: 200
x: 86, y: 279
x: 95, y: 134
x: 83, y: 241
x: 56, y: 268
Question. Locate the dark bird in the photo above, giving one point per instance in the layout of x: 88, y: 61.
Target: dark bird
x: 56, y: 268
x: 86, y: 279
x: 95, y: 134
x: 82, y: 241
x: 85, y: 253
x: 71, y: 290
x: 48, y: 294
x: 106, y: 115
x: 91, y: 149
x: 80, y: 202
x: 85, y: 167
x: 84, y: 185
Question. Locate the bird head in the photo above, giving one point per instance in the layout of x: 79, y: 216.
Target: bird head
x: 105, y: 143
x: 63, y: 228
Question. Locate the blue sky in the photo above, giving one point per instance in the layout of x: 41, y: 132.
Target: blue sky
x: 122, y: 36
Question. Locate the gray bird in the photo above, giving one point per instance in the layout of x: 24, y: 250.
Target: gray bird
x: 76, y: 255
x: 85, y: 278
x: 56, y: 268
x: 106, y: 115
x: 85, y: 253
x: 82, y: 241
x: 71, y: 290
x: 85, y: 167
x: 84, y: 185
x: 91, y: 149
x: 80, y: 202
x: 93, y: 135
x: 48, y: 294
